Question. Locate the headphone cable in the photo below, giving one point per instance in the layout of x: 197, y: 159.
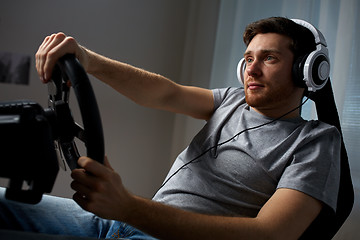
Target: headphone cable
x: 226, y: 141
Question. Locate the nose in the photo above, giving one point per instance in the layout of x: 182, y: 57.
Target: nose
x: 253, y: 69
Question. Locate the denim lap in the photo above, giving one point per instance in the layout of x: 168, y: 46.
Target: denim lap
x: 61, y: 216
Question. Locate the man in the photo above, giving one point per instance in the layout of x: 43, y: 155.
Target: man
x: 256, y: 170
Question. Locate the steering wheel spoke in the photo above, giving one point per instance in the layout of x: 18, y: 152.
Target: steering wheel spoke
x: 79, y: 132
x: 71, y: 153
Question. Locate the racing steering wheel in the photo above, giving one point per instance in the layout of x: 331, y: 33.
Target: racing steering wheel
x: 43, y: 132
x: 65, y: 129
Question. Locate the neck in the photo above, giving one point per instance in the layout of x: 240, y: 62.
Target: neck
x: 285, y: 114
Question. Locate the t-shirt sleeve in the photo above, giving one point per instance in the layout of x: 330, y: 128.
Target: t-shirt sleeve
x: 315, y: 167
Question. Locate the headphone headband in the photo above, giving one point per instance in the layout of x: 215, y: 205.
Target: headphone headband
x: 319, y: 37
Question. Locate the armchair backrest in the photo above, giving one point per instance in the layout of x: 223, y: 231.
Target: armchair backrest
x: 327, y: 224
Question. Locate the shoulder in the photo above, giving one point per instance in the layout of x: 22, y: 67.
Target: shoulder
x: 315, y: 129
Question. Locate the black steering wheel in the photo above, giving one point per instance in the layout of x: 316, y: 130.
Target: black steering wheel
x: 69, y: 70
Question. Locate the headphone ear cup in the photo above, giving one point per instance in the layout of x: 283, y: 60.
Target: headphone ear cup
x: 319, y: 71
x: 298, y: 71
x: 314, y: 69
x: 240, y: 70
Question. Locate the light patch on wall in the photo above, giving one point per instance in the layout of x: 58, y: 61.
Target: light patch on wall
x: 14, y: 68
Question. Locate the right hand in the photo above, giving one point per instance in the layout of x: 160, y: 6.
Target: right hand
x: 99, y: 189
x: 54, y: 47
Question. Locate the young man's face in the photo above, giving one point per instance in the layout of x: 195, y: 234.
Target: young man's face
x: 268, y: 83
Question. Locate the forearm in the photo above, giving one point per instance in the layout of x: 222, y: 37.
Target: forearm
x: 150, y: 89
x: 106, y: 197
x: 285, y: 215
x: 143, y: 87
x: 167, y: 222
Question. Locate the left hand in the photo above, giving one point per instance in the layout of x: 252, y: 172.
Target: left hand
x: 99, y: 189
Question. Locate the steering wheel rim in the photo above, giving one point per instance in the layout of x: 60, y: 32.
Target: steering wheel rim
x: 68, y: 68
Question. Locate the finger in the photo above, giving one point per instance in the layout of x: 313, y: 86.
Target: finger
x: 46, y: 42
x: 52, y: 52
x: 93, y: 167
x: 43, y: 53
x: 77, y: 186
x: 82, y: 177
x: 81, y: 200
x: 39, y: 56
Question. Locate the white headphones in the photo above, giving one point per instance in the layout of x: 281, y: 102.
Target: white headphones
x: 312, y: 69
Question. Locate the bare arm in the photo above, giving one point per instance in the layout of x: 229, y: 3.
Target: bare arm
x: 150, y: 89
x: 286, y: 215
x: 143, y: 87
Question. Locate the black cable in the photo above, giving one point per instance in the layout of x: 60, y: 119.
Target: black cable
x: 222, y: 143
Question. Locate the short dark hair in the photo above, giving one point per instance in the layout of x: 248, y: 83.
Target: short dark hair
x: 303, y: 41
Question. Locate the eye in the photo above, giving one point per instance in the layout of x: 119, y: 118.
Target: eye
x: 269, y: 58
x: 249, y: 60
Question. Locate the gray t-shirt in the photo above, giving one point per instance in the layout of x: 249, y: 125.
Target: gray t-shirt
x: 238, y: 177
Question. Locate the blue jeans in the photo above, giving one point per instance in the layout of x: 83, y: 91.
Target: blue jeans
x: 61, y: 216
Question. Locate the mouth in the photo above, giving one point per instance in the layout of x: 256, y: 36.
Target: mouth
x: 254, y: 86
